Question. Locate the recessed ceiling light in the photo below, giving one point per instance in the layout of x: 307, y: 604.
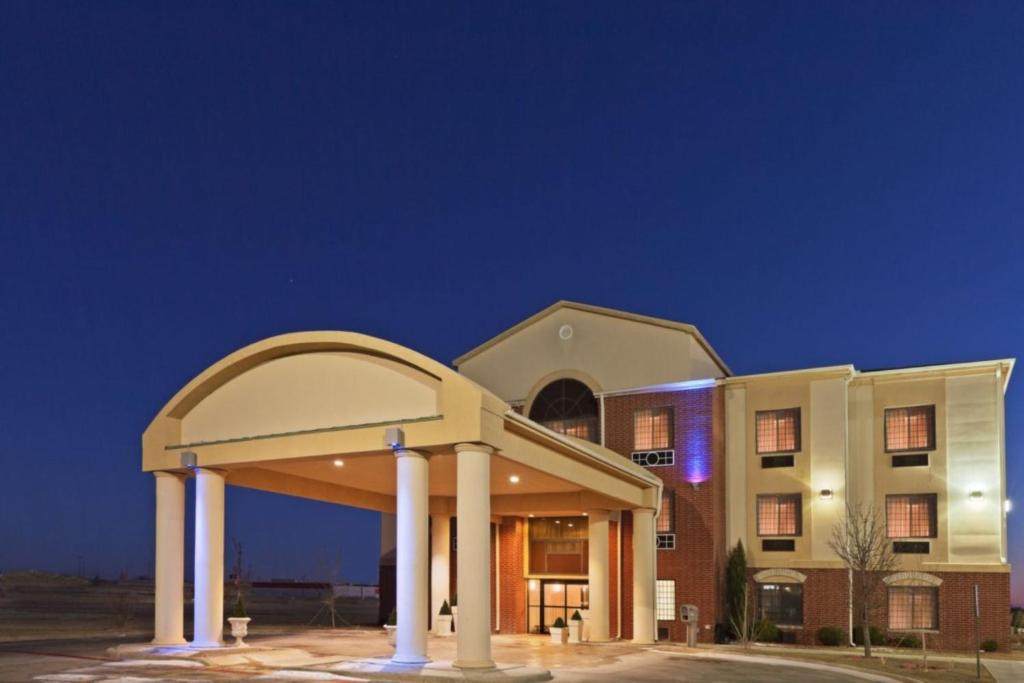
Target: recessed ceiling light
x: 514, y: 479
x: 570, y: 523
x: 531, y: 514
x: 585, y: 514
x: 339, y: 463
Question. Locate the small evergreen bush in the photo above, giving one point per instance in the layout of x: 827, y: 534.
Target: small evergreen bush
x: 908, y: 640
x: 576, y: 616
x: 392, y: 618
x: 446, y: 611
x: 559, y: 623
x: 831, y: 635
x: 875, y: 633
x: 767, y: 632
x: 989, y: 645
x: 239, y: 609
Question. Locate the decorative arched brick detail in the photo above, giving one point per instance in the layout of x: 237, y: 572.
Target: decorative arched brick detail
x: 912, y: 578
x: 765, y: 575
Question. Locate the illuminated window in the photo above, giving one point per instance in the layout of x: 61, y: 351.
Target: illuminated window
x: 778, y: 431
x: 666, y: 527
x: 781, y: 603
x: 568, y: 407
x: 652, y: 428
x: 910, y: 429
x: 667, y: 516
x: 913, y: 608
x: 665, y: 591
x: 911, y: 516
x: 779, y: 515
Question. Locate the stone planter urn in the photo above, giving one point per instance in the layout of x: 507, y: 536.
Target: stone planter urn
x: 443, y: 625
x: 558, y: 634
x: 391, y: 628
x: 239, y: 629
x: 575, y: 630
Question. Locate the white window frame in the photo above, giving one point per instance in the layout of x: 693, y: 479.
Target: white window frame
x: 665, y: 599
x: 666, y: 541
x: 664, y: 457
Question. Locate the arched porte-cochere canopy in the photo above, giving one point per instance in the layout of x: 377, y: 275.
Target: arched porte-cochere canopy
x: 308, y: 414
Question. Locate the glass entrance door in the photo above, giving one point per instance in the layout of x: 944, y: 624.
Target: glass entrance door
x: 549, y: 599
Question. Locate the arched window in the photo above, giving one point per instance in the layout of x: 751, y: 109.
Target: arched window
x: 567, y: 406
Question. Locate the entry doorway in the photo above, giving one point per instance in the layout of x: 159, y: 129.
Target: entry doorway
x: 549, y: 599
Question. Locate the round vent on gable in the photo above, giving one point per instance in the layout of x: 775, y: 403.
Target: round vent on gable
x: 565, y: 332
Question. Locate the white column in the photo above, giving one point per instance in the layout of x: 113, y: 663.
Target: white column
x: 169, y: 567
x: 473, y: 510
x: 440, y: 562
x: 643, y: 576
x: 597, y: 574
x: 209, y: 570
x: 412, y: 514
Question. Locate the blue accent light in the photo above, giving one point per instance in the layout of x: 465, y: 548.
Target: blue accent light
x: 698, y: 454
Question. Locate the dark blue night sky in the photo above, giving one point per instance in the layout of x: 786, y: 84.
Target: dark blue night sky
x: 809, y: 183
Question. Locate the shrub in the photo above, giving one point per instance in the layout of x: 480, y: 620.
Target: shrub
x: 875, y: 633
x: 446, y: 611
x: 831, y: 635
x: 905, y: 640
x: 767, y: 632
x: 576, y: 616
x: 239, y: 610
x: 559, y: 623
x: 392, y: 618
x: 989, y: 645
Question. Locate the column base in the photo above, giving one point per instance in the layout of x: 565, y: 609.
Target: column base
x: 168, y: 643
x: 200, y: 645
x: 478, y: 664
x: 410, y: 660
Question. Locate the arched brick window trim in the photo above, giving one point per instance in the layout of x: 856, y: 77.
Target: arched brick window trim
x: 912, y: 578
x: 770, y: 575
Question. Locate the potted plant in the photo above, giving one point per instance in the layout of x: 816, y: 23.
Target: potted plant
x: 576, y: 627
x: 558, y: 631
x: 239, y: 621
x: 391, y: 626
x: 455, y: 612
x: 443, y: 620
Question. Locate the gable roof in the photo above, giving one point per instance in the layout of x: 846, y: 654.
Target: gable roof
x: 598, y: 310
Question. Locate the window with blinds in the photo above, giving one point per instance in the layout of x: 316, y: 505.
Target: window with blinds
x: 910, y: 429
x: 778, y: 431
x: 665, y: 594
x: 652, y: 429
x: 779, y: 515
x: 913, y: 608
x: 911, y: 516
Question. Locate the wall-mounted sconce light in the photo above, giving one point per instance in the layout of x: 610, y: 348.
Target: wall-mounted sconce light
x: 394, y: 437
x: 514, y: 479
x: 339, y: 462
x: 826, y: 494
x: 1008, y: 505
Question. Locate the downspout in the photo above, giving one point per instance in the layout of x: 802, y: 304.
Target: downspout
x: 601, y: 418
x: 497, y: 578
x: 618, y: 558
x: 846, y: 476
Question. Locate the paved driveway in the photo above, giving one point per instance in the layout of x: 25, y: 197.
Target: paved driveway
x: 87, y: 661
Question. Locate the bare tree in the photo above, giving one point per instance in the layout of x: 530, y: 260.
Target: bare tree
x: 745, y: 625
x: 330, y: 569
x: 860, y: 541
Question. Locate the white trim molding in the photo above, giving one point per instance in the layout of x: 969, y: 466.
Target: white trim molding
x: 912, y: 578
x: 766, y: 575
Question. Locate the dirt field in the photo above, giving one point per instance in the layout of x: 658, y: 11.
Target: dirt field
x: 35, y: 605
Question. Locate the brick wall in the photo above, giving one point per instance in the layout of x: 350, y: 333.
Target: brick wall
x: 513, y: 583
x: 697, y: 563
x: 826, y: 594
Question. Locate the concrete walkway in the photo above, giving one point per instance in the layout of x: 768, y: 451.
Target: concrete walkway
x: 1005, y: 671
